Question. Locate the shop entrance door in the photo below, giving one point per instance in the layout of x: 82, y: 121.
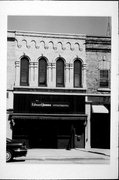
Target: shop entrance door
x: 100, y: 131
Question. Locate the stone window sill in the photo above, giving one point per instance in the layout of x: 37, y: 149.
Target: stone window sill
x: 104, y: 89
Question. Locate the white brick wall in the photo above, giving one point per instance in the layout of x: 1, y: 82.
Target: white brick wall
x: 51, y: 46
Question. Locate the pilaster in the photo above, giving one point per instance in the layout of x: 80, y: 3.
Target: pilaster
x: 49, y: 71
x: 17, y: 73
x: 68, y: 75
x: 53, y: 75
x: 88, y: 126
x: 84, y: 76
x: 33, y: 74
x: 71, y: 76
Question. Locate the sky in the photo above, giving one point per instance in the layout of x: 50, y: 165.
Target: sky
x: 96, y: 26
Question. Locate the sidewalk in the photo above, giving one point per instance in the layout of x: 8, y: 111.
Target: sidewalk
x: 62, y: 154
x: 105, y: 152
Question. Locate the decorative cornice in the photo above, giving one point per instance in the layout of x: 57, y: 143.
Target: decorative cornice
x: 18, y: 45
x: 95, y: 44
x: 98, y: 50
x: 92, y: 43
x: 62, y: 47
x: 37, y: 44
x: 53, y: 46
x: 45, y: 47
x: 26, y: 42
x: 46, y: 35
x: 71, y: 48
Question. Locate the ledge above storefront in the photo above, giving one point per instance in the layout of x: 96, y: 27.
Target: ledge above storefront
x: 68, y: 117
x: 37, y: 90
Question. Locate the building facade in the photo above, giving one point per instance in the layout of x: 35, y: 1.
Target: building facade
x: 58, y: 89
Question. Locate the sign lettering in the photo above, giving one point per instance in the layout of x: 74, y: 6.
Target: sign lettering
x: 36, y: 104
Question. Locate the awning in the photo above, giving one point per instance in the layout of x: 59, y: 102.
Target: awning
x: 99, y: 109
x: 50, y: 116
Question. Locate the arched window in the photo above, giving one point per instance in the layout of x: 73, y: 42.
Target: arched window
x: 42, y: 80
x: 60, y: 73
x: 77, y: 73
x: 24, y: 73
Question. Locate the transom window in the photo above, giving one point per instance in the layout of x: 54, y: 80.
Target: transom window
x: 77, y: 73
x: 42, y: 80
x: 24, y: 72
x: 60, y: 73
x: 104, y: 78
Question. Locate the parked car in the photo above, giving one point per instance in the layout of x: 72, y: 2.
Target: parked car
x: 14, y: 149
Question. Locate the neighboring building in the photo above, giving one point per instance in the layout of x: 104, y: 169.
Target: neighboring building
x: 58, y: 85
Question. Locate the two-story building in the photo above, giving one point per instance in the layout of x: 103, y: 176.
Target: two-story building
x: 58, y: 87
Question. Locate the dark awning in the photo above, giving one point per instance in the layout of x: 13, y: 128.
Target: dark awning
x: 50, y: 116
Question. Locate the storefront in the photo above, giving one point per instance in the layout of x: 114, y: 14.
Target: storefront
x: 49, y: 121
x: 100, y: 126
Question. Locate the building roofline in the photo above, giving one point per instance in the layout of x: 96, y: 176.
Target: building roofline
x: 59, y: 34
x: 90, y: 36
x: 46, y: 34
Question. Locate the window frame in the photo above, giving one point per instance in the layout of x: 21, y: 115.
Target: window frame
x: 62, y: 84
x: 102, y: 78
x: 45, y: 77
x: 80, y: 74
x: 23, y: 71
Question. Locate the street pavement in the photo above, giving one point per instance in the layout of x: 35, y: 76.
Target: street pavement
x: 63, y: 156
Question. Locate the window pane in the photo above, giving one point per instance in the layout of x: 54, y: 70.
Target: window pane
x: 42, y: 72
x: 77, y: 81
x: 24, y: 72
x: 77, y: 73
x: 60, y: 73
x: 104, y: 82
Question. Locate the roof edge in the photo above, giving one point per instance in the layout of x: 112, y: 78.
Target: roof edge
x: 32, y: 33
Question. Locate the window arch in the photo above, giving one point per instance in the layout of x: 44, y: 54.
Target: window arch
x: 42, y: 75
x: 24, y: 72
x: 77, y: 73
x: 60, y: 73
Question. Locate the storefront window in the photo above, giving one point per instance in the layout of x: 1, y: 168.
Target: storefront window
x: 77, y: 73
x: 42, y: 80
x: 60, y: 73
x: 24, y: 77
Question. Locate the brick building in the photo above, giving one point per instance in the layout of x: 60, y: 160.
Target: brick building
x: 58, y: 88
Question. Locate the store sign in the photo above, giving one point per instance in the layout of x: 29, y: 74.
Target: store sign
x: 39, y: 104
x: 34, y: 104
x: 60, y: 105
x: 49, y: 104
